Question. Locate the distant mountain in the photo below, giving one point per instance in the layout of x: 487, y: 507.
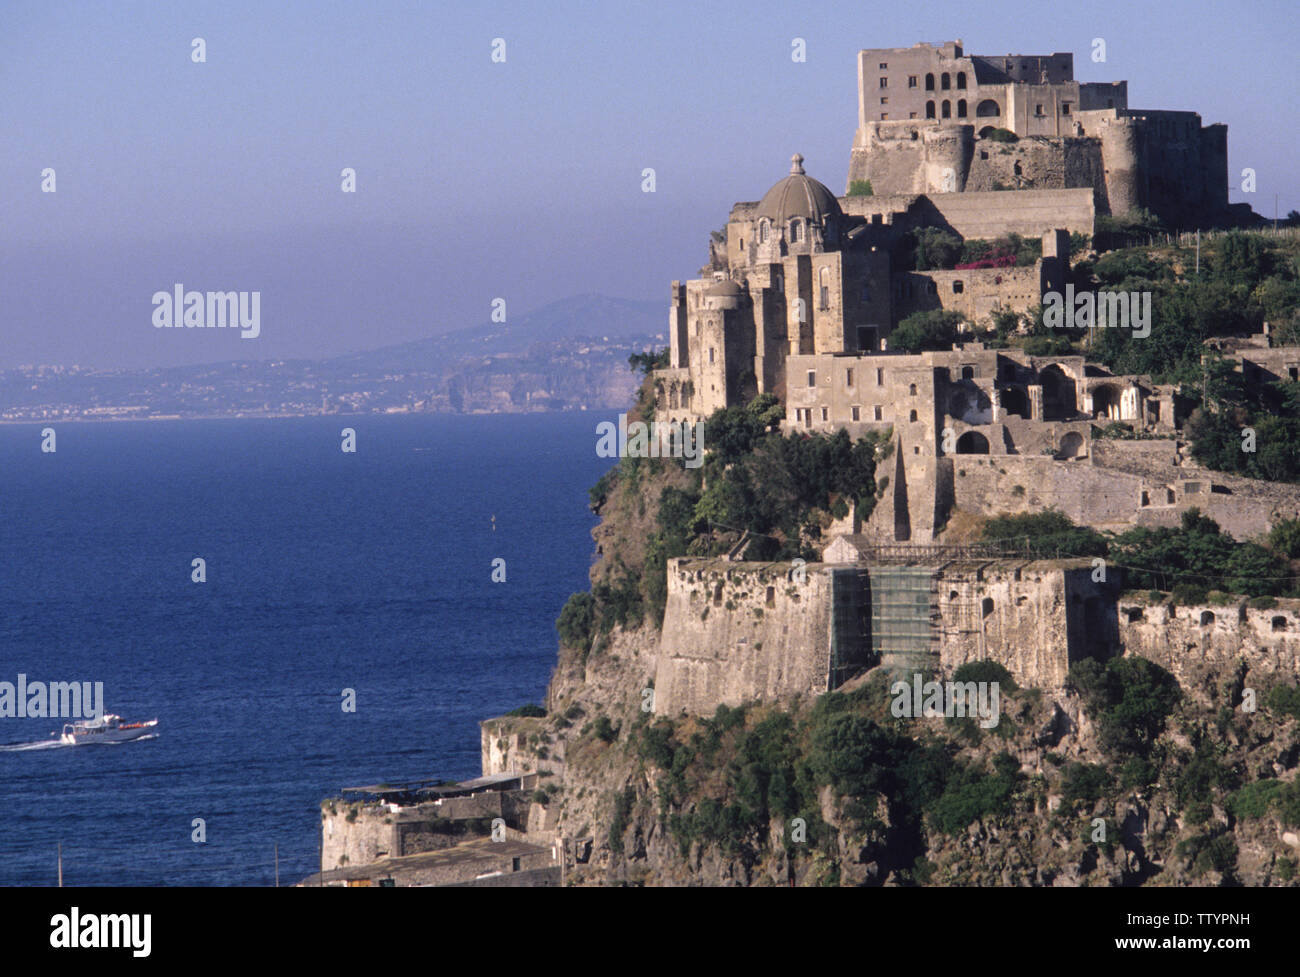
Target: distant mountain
x: 577, y: 317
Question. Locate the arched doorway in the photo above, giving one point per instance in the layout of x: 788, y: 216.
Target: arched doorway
x: 987, y: 109
x: 972, y: 443
x: 1058, y: 394
x: 1071, y: 446
x: 1014, y: 401
x: 1106, y: 402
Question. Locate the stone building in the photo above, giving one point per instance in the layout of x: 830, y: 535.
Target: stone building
x: 798, y: 276
x: 925, y: 115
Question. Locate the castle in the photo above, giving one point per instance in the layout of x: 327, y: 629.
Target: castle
x: 925, y: 115
x: 799, y: 300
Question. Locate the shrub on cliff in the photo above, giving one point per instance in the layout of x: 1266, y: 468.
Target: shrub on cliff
x: 1128, y: 698
x: 529, y: 711
x: 972, y: 793
x: 985, y: 671
x: 576, y: 623
x: 1284, y: 700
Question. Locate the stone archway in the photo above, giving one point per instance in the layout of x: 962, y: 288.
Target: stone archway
x: 1107, y: 402
x: 1058, y: 394
x: 987, y: 109
x: 972, y: 443
x: 1071, y: 446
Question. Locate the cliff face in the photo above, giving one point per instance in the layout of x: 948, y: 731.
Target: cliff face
x: 1172, y: 762
x: 714, y: 802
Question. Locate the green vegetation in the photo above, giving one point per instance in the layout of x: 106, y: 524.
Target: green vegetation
x: 1284, y: 700
x: 1001, y: 135
x: 1024, y: 250
x: 1196, y: 558
x: 1125, y: 230
x: 1129, y: 698
x: 860, y: 188
x: 935, y: 329
x: 529, y: 710
x: 1045, y: 534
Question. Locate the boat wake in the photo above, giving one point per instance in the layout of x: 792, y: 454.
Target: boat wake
x: 54, y: 744
x: 24, y: 747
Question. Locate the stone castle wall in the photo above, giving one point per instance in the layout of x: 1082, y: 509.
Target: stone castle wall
x: 1192, y: 641
x: 982, y: 215
x: 736, y: 632
x: 1034, y: 619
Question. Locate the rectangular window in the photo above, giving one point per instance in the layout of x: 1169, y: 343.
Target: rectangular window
x: 884, y: 82
x: 878, y: 413
x: 884, y: 116
x: 825, y: 414
x: 880, y: 378
x: 911, y: 115
x: 824, y: 298
x: 812, y: 378
x: 848, y: 378
x: 911, y: 81
x: 1065, y: 108
x: 855, y: 413
x: 884, y: 65
x: 1038, y: 110
x: 885, y: 100
x: 710, y: 354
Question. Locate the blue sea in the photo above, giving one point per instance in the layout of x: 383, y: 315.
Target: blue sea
x: 325, y: 571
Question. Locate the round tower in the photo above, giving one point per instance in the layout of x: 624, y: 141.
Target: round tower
x: 1120, y: 160
x: 949, y: 150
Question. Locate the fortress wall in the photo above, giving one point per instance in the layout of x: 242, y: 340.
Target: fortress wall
x: 1029, y: 213
x: 735, y: 632
x: 1043, y: 165
x: 983, y: 291
x: 368, y: 837
x: 1031, y: 618
x: 1178, y: 641
x: 988, y: 484
x: 1243, y: 508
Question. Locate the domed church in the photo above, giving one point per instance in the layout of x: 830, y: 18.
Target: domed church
x: 798, y: 277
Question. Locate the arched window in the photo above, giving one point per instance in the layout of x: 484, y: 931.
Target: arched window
x: 945, y: 81
x: 912, y: 416
x: 912, y: 390
x: 961, y: 108
x: 929, y: 109
x: 762, y: 232
x: 824, y: 289
x: 796, y: 230
x: 988, y: 109
x: 961, y: 79
x: 947, y: 109
x: 929, y: 83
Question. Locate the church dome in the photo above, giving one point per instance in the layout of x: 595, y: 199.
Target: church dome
x: 799, y: 195
x: 723, y: 295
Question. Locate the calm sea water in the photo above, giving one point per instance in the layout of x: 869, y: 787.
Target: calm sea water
x: 325, y: 571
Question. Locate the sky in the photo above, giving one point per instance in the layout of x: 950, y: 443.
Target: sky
x: 478, y: 180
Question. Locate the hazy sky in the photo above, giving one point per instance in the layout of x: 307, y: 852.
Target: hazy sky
x: 475, y: 179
